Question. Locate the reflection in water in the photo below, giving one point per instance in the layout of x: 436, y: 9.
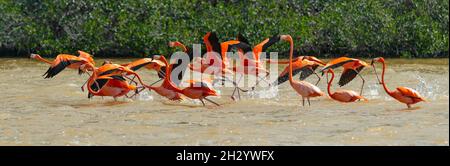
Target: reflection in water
x: 37, y: 111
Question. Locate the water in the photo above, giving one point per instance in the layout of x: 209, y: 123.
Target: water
x: 37, y: 111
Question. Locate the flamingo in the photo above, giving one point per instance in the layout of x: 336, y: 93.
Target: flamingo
x: 216, y: 51
x: 303, y: 88
x: 109, y: 68
x: 65, y: 60
x: 402, y: 94
x: 110, y: 84
x: 342, y: 95
x: 196, y: 90
x: 352, y: 67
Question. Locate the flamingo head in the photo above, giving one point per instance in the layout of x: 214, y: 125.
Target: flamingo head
x: 286, y: 37
x: 174, y: 44
x: 378, y: 59
x: 106, y: 62
x: 34, y: 56
x: 87, y: 67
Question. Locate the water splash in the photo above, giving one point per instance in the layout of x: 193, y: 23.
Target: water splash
x: 373, y: 91
x: 430, y: 89
x: 269, y: 93
x: 144, y: 96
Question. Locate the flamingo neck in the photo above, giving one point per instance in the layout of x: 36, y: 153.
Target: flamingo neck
x: 291, y: 54
x: 182, y: 46
x: 167, y: 80
x: 382, y: 80
x: 92, y: 81
x: 39, y: 58
x: 329, y: 84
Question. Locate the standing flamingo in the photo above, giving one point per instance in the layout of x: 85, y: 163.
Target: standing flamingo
x: 342, y: 95
x: 402, y: 94
x: 303, y: 88
x: 65, y: 60
x: 352, y: 67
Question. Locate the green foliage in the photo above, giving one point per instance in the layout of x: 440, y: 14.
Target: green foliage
x: 394, y: 28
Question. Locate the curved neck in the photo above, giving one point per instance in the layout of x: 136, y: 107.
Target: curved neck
x: 329, y: 83
x: 182, y: 46
x: 382, y: 79
x: 167, y: 80
x: 92, y: 81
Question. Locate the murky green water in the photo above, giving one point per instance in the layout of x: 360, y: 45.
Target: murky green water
x: 37, y: 111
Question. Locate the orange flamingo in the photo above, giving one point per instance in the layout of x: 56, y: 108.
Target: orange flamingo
x: 303, y: 88
x: 342, y: 95
x: 112, y: 84
x: 402, y: 94
x: 65, y: 60
x: 352, y: 67
x: 196, y: 90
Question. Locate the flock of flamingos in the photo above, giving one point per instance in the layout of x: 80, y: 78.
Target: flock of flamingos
x: 114, y: 79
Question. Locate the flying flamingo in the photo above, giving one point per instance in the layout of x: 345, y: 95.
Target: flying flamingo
x: 352, y: 67
x: 196, y: 90
x: 342, y: 95
x: 65, y: 60
x: 402, y: 94
x: 303, y: 88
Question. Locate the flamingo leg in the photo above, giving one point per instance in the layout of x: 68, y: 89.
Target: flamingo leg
x: 362, y: 86
x: 82, y: 86
x: 132, y: 79
x: 317, y: 77
x: 156, y: 82
x: 303, y: 100
x: 203, y: 102
x: 236, y: 88
x: 211, y: 101
x: 309, y: 103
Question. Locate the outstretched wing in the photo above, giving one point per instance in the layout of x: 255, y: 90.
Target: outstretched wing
x: 306, y: 72
x: 60, y: 63
x: 262, y: 47
x: 347, y: 76
x: 240, y: 45
x: 337, y: 63
x: 285, y: 76
x: 138, y: 64
x: 241, y: 38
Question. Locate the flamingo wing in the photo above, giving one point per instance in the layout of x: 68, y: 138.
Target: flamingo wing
x: 138, y: 64
x: 285, y: 76
x: 410, y: 92
x: 214, y: 42
x: 348, y: 75
x: 240, y: 45
x: 241, y: 38
x: 337, y: 63
x: 264, y: 45
x: 306, y: 72
x: 97, y: 86
x: 60, y: 63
